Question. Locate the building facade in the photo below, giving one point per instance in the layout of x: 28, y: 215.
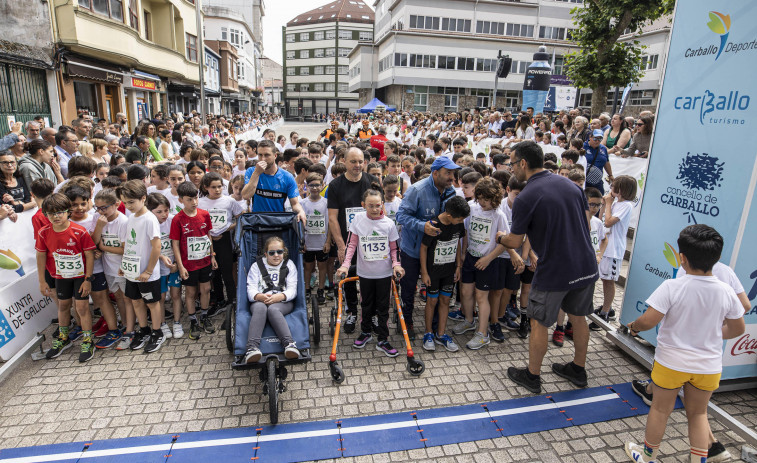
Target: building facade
x: 316, y: 45
x: 212, y: 76
x: 273, y: 85
x: 441, y: 56
x: 229, y: 80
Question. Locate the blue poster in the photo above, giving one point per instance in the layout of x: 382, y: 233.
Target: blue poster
x: 701, y: 169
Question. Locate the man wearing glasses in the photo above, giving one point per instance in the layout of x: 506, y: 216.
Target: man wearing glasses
x: 597, y: 160
x: 67, y: 147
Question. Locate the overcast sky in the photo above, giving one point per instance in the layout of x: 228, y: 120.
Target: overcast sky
x: 277, y: 14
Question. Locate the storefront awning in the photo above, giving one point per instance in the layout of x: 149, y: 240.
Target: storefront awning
x: 77, y: 67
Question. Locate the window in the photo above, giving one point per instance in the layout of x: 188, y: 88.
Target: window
x: 304, y: 71
x: 304, y: 36
x: 513, y: 98
x: 304, y: 87
x: 318, y: 70
x: 345, y: 34
x: 519, y: 67
x: 549, y: 32
x: 344, y: 51
x: 148, y: 25
x: 456, y: 25
x: 482, y: 101
x: 425, y: 22
x: 366, y: 35
x: 486, y: 65
x: 290, y: 38
x: 330, y: 87
x: 649, y: 62
x: 488, y: 27
x: 330, y: 70
x: 641, y: 97
x: 232, y: 67
x: 319, y: 53
x: 235, y: 37
x: 420, y: 101
x: 400, y: 59
x: 466, y: 64
x: 330, y: 34
x: 224, y: 33
x: 304, y: 53
x: 317, y: 87
x: 240, y: 70
x: 291, y: 70
x: 519, y: 30
x: 385, y: 63
x: 192, y: 48
x: 318, y: 35
x: 330, y: 52
x: 133, y: 17
x: 558, y: 67
x: 343, y: 87
x: 450, y: 103
x: 290, y: 87
x: 290, y: 54
x: 423, y: 61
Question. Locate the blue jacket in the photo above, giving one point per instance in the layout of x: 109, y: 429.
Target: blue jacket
x: 422, y: 202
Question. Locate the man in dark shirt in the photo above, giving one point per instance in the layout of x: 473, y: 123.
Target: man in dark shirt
x: 551, y: 210
x: 345, y: 196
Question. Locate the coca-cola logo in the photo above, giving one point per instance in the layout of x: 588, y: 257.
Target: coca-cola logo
x: 744, y: 345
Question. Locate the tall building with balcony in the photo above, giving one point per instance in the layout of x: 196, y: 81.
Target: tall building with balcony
x: 441, y: 56
x: 132, y: 56
x: 273, y: 85
x: 239, y: 23
x: 316, y: 46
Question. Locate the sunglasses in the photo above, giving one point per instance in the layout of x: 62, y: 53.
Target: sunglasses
x: 274, y: 252
x: 639, y: 123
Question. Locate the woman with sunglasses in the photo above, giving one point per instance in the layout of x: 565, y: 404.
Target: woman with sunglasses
x: 13, y: 188
x: 642, y: 139
x: 271, y: 288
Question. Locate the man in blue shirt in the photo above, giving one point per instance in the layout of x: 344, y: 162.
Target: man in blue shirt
x: 551, y: 210
x: 423, y: 201
x: 270, y: 185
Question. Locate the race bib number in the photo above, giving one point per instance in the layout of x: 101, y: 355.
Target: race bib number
x: 316, y: 224
x: 595, y: 240
x: 374, y: 247
x: 69, y: 266
x: 198, y: 247
x: 165, y: 246
x: 350, y: 213
x: 480, y: 228
x: 130, y: 265
x: 218, y: 218
x: 111, y: 240
x: 445, y: 252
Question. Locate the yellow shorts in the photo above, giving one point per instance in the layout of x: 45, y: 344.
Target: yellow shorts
x: 667, y: 378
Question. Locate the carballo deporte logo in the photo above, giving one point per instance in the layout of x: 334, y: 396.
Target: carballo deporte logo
x: 720, y: 24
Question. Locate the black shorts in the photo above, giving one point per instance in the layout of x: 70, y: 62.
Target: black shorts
x: 69, y: 288
x: 527, y: 276
x: 507, y: 277
x: 99, y: 283
x: 49, y: 280
x: 440, y: 285
x: 543, y: 306
x: 486, y: 280
x: 201, y: 275
x: 148, y: 290
x: 313, y: 256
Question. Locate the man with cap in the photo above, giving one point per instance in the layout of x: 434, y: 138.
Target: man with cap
x: 365, y: 132
x: 596, y: 160
x: 423, y: 201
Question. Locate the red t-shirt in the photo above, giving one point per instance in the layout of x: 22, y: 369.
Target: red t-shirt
x: 184, y: 227
x: 39, y: 220
x: 72, y: 241
x: 377, y: 141
x: 121, y: 207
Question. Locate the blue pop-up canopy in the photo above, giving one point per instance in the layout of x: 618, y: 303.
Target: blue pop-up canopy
x: 371, y: 106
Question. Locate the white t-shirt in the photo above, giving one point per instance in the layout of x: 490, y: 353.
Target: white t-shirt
x: 222, y: 212
x: 616, y: 244
x: 113, y: 234
x: 373, y: 258
x: 405, y: 178
x: 89, y: 224
x: 723, y: 273
x: 690, y: 337
x: 392, y: 207
x: 154, y: 189
x: 140, y: 231
x: 482, y: 227
x: 317, y: 223
x: 165, y: 245
x: 173, y: 200
x: 256, y: 285
x: 597, y: 233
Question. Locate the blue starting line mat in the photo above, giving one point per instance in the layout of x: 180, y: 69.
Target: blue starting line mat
x: 351, y: 437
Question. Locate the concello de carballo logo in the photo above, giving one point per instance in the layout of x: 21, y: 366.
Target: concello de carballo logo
x: 701, y: 177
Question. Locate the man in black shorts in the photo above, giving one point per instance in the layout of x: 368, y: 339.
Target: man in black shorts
x: 552, y: 212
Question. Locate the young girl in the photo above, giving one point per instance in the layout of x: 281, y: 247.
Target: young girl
x: 374, y: 236
x: 175, y: 178
x: 235, y: 192
x: 478, y: 277
x: 317, y: 239
x: 110, y: 232
x: 391, y: 200
x: 240, y: 159
x: 272, y: 299
x: 618, y: 206
x: 195, y: 171
x: 223, y: 212
x: 169, y: 271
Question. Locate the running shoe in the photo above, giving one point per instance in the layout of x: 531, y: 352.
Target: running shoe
x: 109, y: 340
x: 166, y: 330
x: 178, y: 330
x: 512, y: 312
x: 194, y: 329
x: 207, y: 325
x: 253, y: 356
x: 521, y: 377
x: 100, y: 328
x: 510, y: 325
x: 640, y: 388
x: 387, y: 349
x: 75, y: 333
x: 456, y: 315
x: 291, y: 352
x: 717, y: 453
x: 446, y: 341
x: 524, y: 328
x: 362, y: 340
x: 611, y: 313
x: 320, y: 296
x: 495, y: 332
x: 558, y: 337
x: 636, y: 453
x: 140, y: 339
x: 157, y: 338
x: 349, y: 323
x: 59, y: 345
x: 477, y: 341
x: 569, y: 330
x: 463, y: 327
x: 595, y: 326
x: 428, y: 342
x: 125, y: 341
x: 87, y: 350
x: 567, y: 371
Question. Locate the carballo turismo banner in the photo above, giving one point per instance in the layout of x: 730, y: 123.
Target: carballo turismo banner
x: 700, y: 168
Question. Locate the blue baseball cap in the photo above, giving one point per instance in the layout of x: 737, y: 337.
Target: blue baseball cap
x: 597, y: 133
x: 443, y: 162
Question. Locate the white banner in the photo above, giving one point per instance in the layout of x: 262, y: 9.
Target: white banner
x: 23, y: 310
x: 636, y: 168
x: 257, y: 134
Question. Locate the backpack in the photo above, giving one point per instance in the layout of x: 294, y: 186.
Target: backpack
x: 267, y: 277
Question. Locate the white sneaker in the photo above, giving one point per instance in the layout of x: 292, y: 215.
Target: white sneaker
x: 178, y: 331
x: 463, y: 327
x: 291, y: 352
x: 166, y: 330
x: 477, y: 341
x: 125, y: 342
x: 253, y: 355
x: 636, y: 453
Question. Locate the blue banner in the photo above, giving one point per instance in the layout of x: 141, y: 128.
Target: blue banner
x: 702, y: 169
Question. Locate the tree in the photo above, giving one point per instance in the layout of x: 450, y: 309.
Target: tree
x: 603, y: 62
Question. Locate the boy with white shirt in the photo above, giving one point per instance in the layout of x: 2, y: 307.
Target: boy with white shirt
x: 696, y: 313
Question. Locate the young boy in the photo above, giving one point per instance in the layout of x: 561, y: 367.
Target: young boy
x: 66, y: 251
x: 391, y: 199
x: 317, y: 238
x: 699, y: 312
x: 193, y: 251
x: 41, y: 189
x: 469, y: 181
x: 440, y: 256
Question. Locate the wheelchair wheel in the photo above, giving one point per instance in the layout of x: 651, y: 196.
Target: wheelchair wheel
x: 231, y: 327
x: 315, y: 319
x: 273, y: 392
